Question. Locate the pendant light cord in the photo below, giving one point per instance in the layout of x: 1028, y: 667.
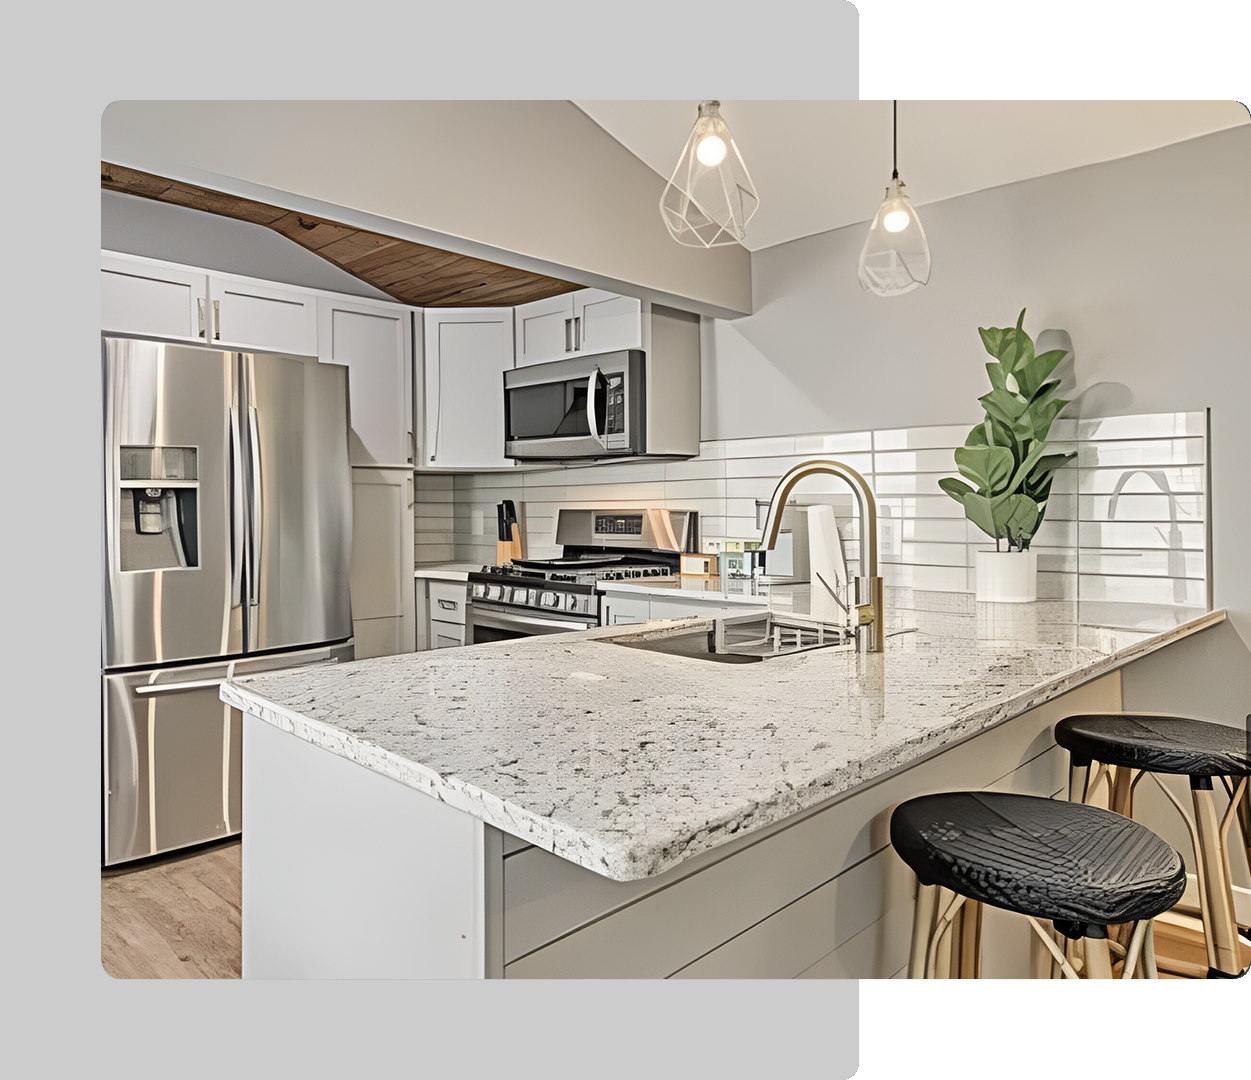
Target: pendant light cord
x: 895, y: 140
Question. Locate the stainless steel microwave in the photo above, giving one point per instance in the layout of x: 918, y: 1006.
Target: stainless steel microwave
x: 583, y: 407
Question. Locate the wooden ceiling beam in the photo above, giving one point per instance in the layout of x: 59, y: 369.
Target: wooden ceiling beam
x: 409, y: 272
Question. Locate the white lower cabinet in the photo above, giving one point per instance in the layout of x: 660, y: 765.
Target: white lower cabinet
x: 383, y: 615
x: 440, y: 613
x: 618, y: 608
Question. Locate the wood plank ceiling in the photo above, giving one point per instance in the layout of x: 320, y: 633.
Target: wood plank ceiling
x: 411, y: 273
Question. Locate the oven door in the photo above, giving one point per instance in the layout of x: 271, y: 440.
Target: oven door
x: 498, y: 622
x: 586, y: 407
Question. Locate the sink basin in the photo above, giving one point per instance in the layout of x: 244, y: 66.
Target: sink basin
x: 739, y: 639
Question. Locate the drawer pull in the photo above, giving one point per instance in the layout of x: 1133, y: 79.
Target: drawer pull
x: 448, y: 605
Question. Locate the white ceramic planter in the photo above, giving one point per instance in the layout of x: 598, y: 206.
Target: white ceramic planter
x: 1007, y: 577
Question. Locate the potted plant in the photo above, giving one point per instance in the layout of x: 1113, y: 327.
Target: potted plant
x: 1008, y: 463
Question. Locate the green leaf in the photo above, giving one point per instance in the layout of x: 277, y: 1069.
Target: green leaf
x: 989, y: 467
x: 1004, y: 407
x: 957, y: 489
x: 978, y: 510
x: 1035, y: 373
x: 1048, y: 463
x: 1018, y: 514
x: 977, y: 436
x: 992, y: 338
x: 1027, y: 466
x: 998, y: 376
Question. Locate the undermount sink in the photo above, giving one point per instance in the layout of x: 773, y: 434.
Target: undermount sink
x: 739, y: 639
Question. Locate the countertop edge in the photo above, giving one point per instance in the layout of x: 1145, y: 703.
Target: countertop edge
x: 623, y: 865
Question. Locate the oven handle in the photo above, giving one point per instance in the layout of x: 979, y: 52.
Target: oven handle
x: 508, y: 620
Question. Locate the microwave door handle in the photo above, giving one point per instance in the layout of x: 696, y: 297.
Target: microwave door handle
x: 236, y: 510
x: 254, y: 584
x: 592, y: 392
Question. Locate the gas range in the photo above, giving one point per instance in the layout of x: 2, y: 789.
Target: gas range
x: 536, y: 596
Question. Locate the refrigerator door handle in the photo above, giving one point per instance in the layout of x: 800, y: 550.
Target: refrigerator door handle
x: 236, y: 510
x: 258, y: 524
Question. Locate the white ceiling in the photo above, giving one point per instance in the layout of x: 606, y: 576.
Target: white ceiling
x: 820, y: 165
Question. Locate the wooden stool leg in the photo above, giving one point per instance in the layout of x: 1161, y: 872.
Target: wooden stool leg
x: 1219, y: 920
x: 1148, y: 952
x: 1098, y: 958
x: 922, y: 928
x: 1134, y: 953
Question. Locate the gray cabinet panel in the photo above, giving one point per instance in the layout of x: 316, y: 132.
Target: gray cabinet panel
x: 654, y: 929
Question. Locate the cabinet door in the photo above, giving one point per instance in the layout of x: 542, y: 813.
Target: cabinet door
x: 544, y: 330
x: 466, y: 353
x: 383, y: 616
x: 621, y: 610
x: 250, y: 316
x: 606, y: 322
x: 374, y: 342
x: 136, y: 298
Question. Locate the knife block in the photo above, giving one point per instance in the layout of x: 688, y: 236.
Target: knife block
x: 507, y: 550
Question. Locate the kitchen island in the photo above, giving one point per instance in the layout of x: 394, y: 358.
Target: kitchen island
x: 563, y: 806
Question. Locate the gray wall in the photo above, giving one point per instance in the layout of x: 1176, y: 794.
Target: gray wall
x: 539, y: 184
x: 1142, y: 260
x: 179, y: 234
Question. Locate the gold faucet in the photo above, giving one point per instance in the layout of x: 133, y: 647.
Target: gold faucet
x: 870, y: 616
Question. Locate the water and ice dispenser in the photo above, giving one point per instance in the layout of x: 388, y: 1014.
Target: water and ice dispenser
x: 158, y: 524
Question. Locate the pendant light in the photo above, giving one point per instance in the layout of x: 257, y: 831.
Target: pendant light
x: 709, y: 198
x: 895, y: 258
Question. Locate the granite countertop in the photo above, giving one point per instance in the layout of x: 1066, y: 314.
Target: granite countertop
x: 627, y: 761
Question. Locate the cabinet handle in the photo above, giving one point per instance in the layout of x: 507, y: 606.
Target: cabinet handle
x: 577, y: 333
x: 217, y: 320
x: 199, y: 305
x: 568, y: 335
x: 448, y: 605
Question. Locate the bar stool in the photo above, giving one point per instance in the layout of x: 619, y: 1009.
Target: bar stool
x: 1081, y: 867
x: 1135, y: 745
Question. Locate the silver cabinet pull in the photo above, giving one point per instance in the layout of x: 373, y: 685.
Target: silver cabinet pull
x: 577, y: 333
x: 448, y: 605
x: 199, y: 305
x: 568, y: 335
x: 217, y: 320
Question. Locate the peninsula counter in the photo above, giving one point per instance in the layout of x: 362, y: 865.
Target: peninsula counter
x: 561, y: 806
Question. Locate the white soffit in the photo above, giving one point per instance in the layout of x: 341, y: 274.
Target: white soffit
x: 820, y: 165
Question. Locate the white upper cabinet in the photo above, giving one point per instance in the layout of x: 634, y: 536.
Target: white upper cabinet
x: 465, y: 354
x: 147, y: 298
x: 254, y: 316
x: 586, y: 321
x: 374, y: 342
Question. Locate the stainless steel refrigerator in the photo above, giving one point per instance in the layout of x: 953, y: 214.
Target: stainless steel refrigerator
x: 227, y: 545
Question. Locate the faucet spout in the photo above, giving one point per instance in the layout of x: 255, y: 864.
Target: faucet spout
x: 869, y: 592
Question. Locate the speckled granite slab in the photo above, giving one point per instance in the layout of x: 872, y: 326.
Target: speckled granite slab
x: 627, y: 761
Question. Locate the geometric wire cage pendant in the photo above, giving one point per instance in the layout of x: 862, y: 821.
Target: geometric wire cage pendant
x: 895, y: 258
x: 710, y: 198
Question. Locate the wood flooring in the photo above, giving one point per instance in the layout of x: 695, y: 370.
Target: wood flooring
x: 178, y: 918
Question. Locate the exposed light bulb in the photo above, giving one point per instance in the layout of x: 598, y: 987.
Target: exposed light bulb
x: 896, y: 221
x: 711, y: 151
x: 709, y: 198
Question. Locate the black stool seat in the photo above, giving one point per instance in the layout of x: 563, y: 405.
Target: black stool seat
x: 1162, y: 744
x: 1079, y: 866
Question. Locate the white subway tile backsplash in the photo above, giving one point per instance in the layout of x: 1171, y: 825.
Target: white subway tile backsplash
x: 938, y: 436
x: 1145, y: 566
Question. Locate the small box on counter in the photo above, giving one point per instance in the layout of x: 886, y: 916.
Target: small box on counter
x: 702, y: 565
